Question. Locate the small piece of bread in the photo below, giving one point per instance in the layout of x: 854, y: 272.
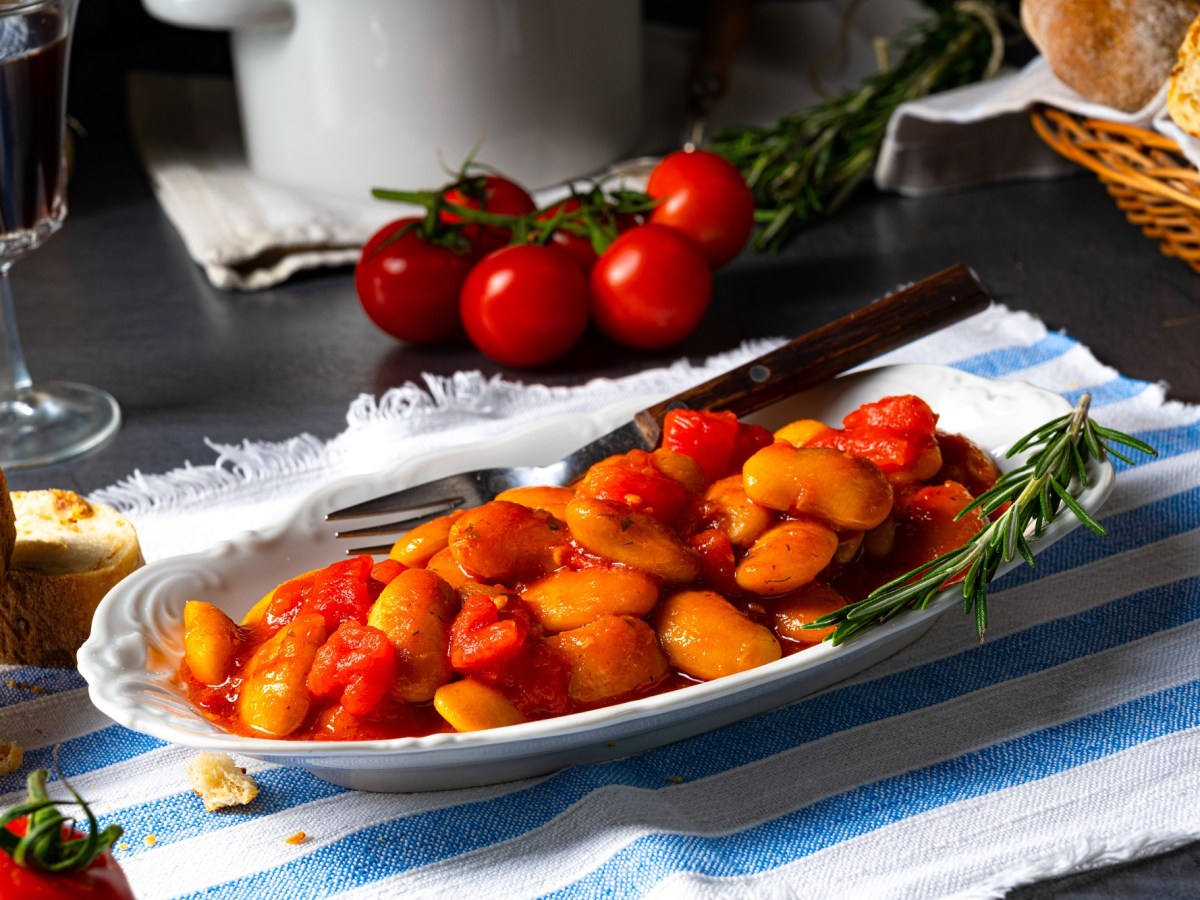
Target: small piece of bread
x: 1183, y: 96
x: 11, y: 757
x: 68, y: 553
x: 1117, y: 53
x: 220, y: 782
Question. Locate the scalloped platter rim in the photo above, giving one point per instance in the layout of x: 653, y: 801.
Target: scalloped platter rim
x: 131, y: 658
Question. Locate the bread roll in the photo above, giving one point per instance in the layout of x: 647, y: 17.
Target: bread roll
x: 1118, y: 53
x: 1183, y: 97
x: 67, y: 555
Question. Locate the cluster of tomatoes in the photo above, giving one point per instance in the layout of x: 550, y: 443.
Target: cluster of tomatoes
x: 523, y: 283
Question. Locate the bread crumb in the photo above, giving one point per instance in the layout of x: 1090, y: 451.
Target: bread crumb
x: 11, y: 757
x: 675, y: 779
x: 122, y: 846
x: 151, y: 840
x: 219, y: 782
x: 298, y: 838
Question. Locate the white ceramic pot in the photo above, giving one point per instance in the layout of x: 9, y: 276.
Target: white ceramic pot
x: 346, y: 95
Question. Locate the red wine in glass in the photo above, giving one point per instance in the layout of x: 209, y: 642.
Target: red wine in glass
x: 39, y: 423
x: 31, y: 148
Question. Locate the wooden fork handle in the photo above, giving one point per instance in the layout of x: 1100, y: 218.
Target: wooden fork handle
x: 862, y: 335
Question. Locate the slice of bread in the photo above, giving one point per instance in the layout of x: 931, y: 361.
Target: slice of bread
x: 1183, y: 97
x: 67, y: 554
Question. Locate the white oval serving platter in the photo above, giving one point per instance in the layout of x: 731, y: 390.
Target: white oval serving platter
x: 131, y: 659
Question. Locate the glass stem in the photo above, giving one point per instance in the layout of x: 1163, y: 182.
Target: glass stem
x: 14, y: 374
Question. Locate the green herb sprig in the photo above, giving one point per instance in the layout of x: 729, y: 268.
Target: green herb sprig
x: 811, y: 162
x: 1037, y: 493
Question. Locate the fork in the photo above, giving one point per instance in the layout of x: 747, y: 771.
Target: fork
x: 833, y: 348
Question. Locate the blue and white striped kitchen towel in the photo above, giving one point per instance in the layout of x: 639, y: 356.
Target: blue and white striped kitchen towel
x: 1069, y: 739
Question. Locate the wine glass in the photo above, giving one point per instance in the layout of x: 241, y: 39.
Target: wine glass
x: 48, y: 421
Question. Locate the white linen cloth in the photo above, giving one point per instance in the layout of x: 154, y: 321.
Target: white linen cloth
x: 245, y: 232
x: 1069, y: 739
x: 981, y: 133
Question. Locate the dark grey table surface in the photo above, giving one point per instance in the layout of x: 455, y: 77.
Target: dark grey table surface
x: 114, y: 300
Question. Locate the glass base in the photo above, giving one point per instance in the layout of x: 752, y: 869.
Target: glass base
x: 53, y: 421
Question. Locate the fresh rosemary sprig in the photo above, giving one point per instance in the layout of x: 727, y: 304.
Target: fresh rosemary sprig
x: 1036, y: 493
x: 809, y: 163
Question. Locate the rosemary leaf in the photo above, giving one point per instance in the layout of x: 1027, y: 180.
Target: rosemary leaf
x: 1026, y: 551
x: 1080, y: 513
x: 1090, y: 438
x: 1118, y: 454
x: 981, y: 613
x: 1080, y: 465
x: 1049, y: 458
x: 1125, y: 439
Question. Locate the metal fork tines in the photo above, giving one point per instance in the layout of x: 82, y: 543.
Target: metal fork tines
x: 423, y: 502
x: 427, y: 501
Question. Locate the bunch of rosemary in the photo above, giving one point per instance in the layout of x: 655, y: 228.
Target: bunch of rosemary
x: 1036, y: 493
x: 810, y: 162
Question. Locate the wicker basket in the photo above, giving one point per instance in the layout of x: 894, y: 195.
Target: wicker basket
x: 1150, y: 178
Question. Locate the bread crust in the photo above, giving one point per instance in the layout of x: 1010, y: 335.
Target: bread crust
x: 50, y: 593
x: 1118, y: 53
x: 8, y: 527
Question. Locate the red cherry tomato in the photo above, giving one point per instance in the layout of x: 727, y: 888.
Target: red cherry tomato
x: 408, y: 286
x: 95, y: 874
x: 490, y: 193
x: 525, y: 305
x: 102, y: 879
x: 650, y: 288
x: 704, y: 196
x: 578, y: 246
